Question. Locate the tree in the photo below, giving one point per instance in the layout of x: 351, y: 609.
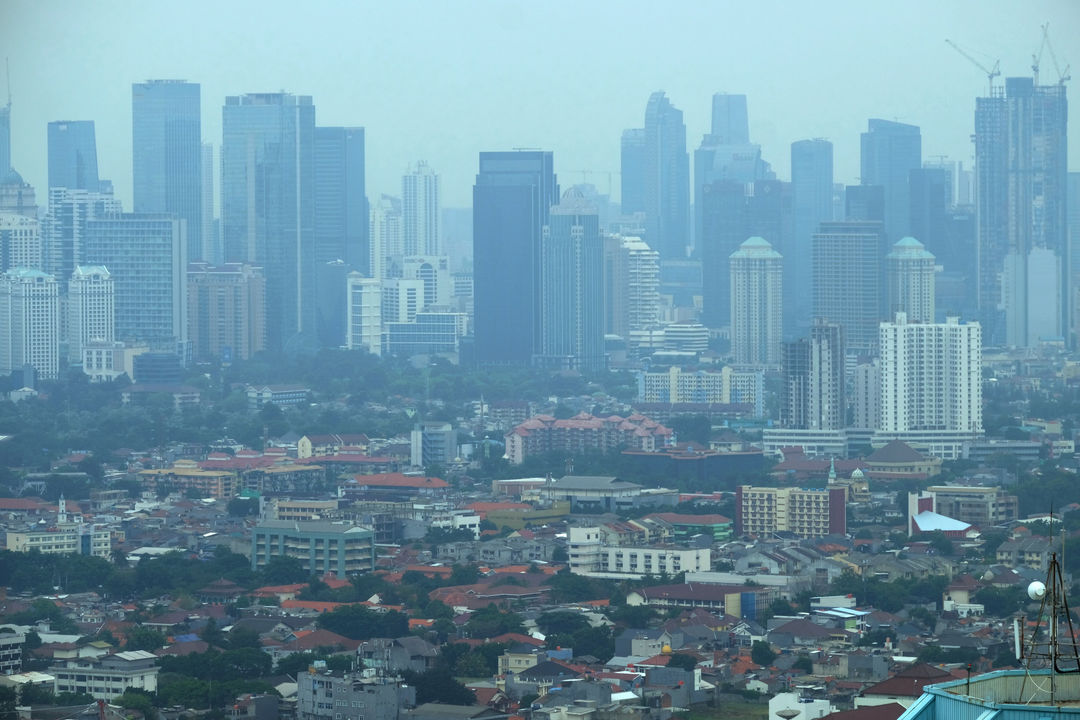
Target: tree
x: 683, y: 661
x: 132, y: 699
x: 242, y: 637
x: 144, y: 638
x: 804, y: 663
x: 243, y: 507
x: 762, y: 653
x: 438, y: 685
x: 212, y: 634
x: 36, y: 694
x: 359, y: 623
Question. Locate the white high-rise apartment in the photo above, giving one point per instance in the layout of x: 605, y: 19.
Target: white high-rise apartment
x: 910, y: 268
x: 420, y: 210
x: 387, y: 248
x: 20, y: 242
x: 29, y: 322
x: 364, y: 328
x: 91, y: 309
x: 757, y: 275
x: 642, y: 285
x: 931, y: 384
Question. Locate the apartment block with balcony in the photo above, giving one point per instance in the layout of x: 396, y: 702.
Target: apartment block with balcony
x: 802, y: 512
x: 321, y: 547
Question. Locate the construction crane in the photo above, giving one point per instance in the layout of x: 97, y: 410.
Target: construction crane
x: 1036, y: 58
x: 1063, y: 75
x: 990, y: 73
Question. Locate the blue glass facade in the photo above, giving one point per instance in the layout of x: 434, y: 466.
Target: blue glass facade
x: 73, y: 155
x: 267, y: 205
x: 511, y: 199
x: 166, y: 145
x: 341, y: 205
x: 667, y: 179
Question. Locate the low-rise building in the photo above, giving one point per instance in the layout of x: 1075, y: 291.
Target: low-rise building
x: 107, y: 677
x: 590, y: 555
x: 803, y: 512
x: 322, y: 695
x: 321, y: 547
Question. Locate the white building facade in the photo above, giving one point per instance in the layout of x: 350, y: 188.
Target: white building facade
x: 29, y: 322
x: 757, y: 275
x: 91, y: 309
x: 364, y: 311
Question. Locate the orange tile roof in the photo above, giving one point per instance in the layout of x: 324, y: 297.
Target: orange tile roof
x: 316, y: 605
x: 400, y: 480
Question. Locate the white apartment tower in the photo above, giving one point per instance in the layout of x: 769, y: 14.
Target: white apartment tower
x: 910, y: 269
x: 91, y: 309
x: 29, y: 322
x: 387, y: 238
x: 756, y: 298
x: 364, y: 305
x: 931, y: 384
x: 420, y: 211
x: 20, y: 242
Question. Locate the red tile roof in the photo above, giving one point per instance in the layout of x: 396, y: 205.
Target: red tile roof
x: 400, y: 480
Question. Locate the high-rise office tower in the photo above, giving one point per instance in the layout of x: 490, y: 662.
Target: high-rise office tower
x: 342, y: 228
x: 730, y: 123
x: 633, y: 171
x: 73, y: 155
x: 812, y: 204
x: 812, y: 396
x: 268, y: 208
x: 931, y: 377
x: 226, y: 311
x: 864, y: 203
x: 365, y: 314
x: 29, y: 322
x: 929, y: 190
x: 757, y: 279
x: 147, y: 257
x: 211, y: 243
x: 667, y: 179
x: 909, y: 271
x: 20, y: 242
x: 571, y: 288
x: 1021, y: 175
x: 166, y: 153
x: 511, y: 198
x: 64, y: 229
x: 5, y: 138
x: 890, y: 151
x: 91, y: 309
x: 420, y: 210
x: 847, y: 278
x: 387, y: 239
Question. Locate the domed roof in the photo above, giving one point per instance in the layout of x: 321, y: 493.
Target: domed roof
x: 908, y: 248
x: 857, y: 474
x: 756, y: 247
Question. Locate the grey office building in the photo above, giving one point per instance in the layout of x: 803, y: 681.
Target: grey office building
x: 73, y: 155
x: 847, y: 275
x: 667, y: 179
x: 890, y: 151
x: 632, y: 151
x: 812, y: 204
x: 268, y: 205
x: 166, y: 154
x: 511, y: 198
x: 341, y: 204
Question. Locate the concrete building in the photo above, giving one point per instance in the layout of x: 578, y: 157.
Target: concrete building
x: 910, y: 279
x: 387, y: 238
x: 931, y: 385
x: 593, y: 493
x: 29, y: 322
x: 433, y: 443
x: 980, y: 506
x: 590, y: 555
x: 434, y: 272
x: 583, y: 433
x: 107, y: 677
x: 68, y: 538
x: 226, y: 310
x: 757, y: 276
x: 429, y: 333
x: 812, y: 396
x: 11, y: 652
x: 20, y: 242
x: 420, y: 211
x: 890, y: 151
x: 811, y: 199
x: 360, y: 696
x: 364, y: 329
x: 321, y: 547
x: 867, y: 395
x: 91, y: 309
x: 803, y: 512
x: 401, y: 299
x: 65, y: 226
x: 846, y: 267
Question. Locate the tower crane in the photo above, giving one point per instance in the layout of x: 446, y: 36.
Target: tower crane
x: 990, y: 73
x: 1063, y: 75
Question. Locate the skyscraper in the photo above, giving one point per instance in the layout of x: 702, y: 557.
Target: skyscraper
x: 812, y: 198
x: 73, y: 155
x: 632, y: 286
x: 211, y: 242
x: 730, y: 121
x: 812, y: 395
x: 847, y: 280
x: 930, y: 190
x: 511, y: 198
x: 5, y: 139
x: 890, y: 151
x: 387, y: 239
x: 20, y: 242
x: 633, y: 171
x: 1021, y: 176
x: 146, y: 255
x: 571, y: 288
x: 29, y: 322
x: 226, y: 311
x: 420, y: 210
x: 667, y: 179
x: 166, y: 145
x: 91, y: 309
x: 931, y: 383
x: 910, y: 277
x: 342, y: 228
x: 64, y: 229
x: 757, y: 277
x: 268, y: 208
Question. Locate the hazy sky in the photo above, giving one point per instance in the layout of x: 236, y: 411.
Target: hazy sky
x: 441, y: 81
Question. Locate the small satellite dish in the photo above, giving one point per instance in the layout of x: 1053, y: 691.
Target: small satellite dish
x: 1036, y: 590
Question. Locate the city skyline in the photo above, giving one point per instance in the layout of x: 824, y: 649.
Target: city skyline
x: 809, y: 87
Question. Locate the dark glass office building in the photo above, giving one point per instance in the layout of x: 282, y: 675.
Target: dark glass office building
x: 513, y: 193
x: 166, y: 154
x: 73, y: 155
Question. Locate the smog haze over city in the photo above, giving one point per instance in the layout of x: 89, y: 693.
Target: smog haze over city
x: 444, y: 81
